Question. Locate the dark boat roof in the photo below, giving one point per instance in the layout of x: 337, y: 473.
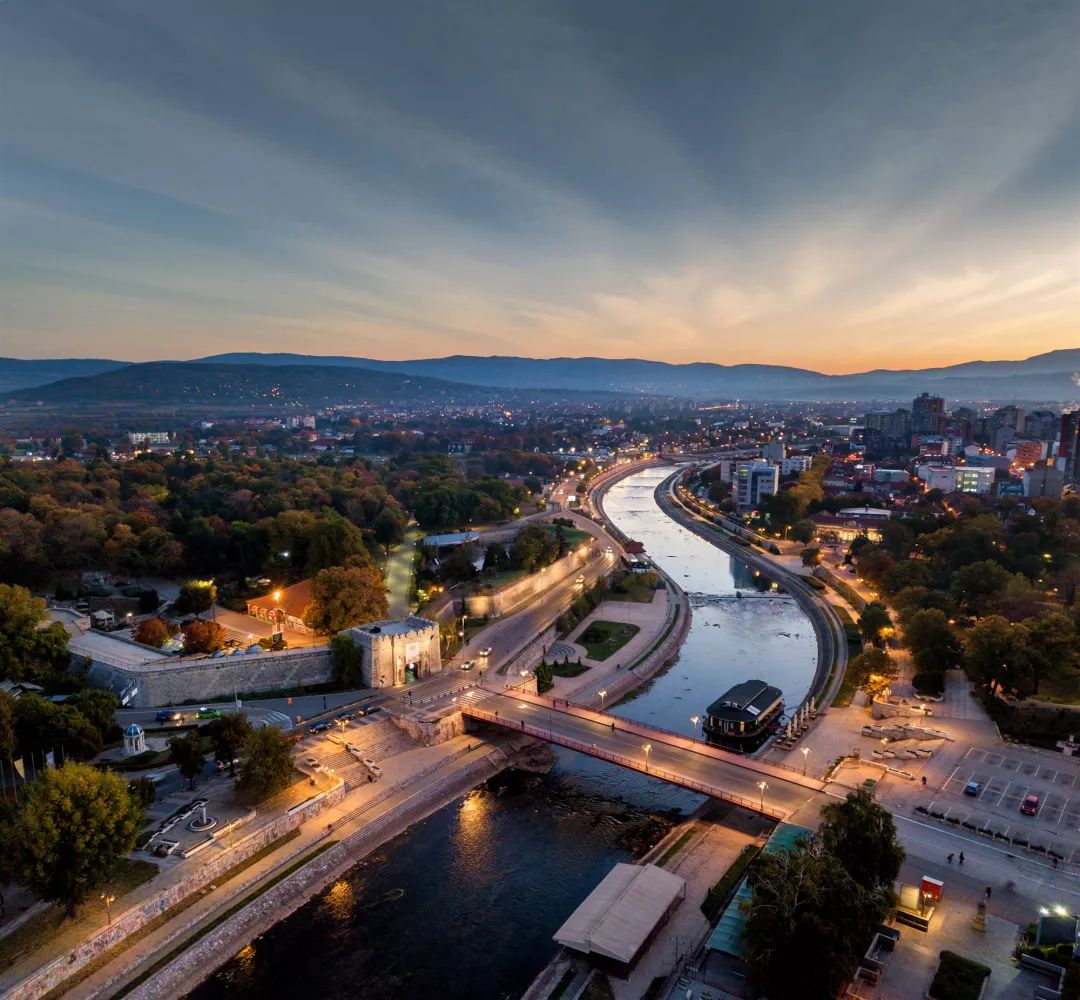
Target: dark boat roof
x: 747, y: 700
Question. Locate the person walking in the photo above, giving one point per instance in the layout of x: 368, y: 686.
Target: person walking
x: 949, y: 859
x: 961, y: 857
x: 989, y: 889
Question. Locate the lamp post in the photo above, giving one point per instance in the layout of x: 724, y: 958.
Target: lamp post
x: 109, y: 900
x: 805, y: 754
x: 695, y: 719
x: 646, y: 747
x: 762, y: 785
x: 603, y: 695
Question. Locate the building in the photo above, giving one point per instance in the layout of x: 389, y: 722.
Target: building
x: 284, y: 609
x: 1029, y: 453
x: 928, y: 414
x: 774, y: 451
x: 1044, y: 481
x: 620, y: 917
x: 958, y: 478
x: 846, y: 528
x: 1068, y: 451
x: 754, y: 480
x: 887, y: 430
x: 891, y: 476
x: 795, y: 464
x: 744, y: 714
x: 139, y: 438
x: 451, y: 540
x: 397, y: 651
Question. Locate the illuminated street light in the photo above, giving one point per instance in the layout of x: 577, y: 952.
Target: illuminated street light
x: 762, y: 785
x: 646, y: 747
x: 109, y: 900
x: 603, y: 695
x: 805, y: 754
x: 695, y: 719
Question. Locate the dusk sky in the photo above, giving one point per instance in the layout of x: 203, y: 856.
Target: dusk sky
x: 832, y: 185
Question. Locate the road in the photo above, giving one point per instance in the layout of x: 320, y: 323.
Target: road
x: 399, y: 573
x: 623, y: 741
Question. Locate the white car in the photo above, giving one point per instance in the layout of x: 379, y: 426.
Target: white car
x: 486, y: 651
x: 468, y: 665
x: 313, y: 763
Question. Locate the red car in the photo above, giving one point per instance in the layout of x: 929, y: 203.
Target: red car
x: 1030, y: 805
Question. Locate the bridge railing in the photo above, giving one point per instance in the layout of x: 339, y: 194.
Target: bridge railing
x: 629, y: 762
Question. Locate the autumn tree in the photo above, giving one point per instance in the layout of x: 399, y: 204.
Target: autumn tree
x: 342, y: 597
x: 203, y: 637
x: 268, y: 766
x: 152, y: 632
x: 74, y: 826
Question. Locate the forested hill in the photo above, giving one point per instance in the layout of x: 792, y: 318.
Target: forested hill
x: 178, y: 383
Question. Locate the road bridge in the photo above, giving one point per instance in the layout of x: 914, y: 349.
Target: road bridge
x: 680, y: 760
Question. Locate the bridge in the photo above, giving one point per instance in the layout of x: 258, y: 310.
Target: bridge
x: 680, y: 760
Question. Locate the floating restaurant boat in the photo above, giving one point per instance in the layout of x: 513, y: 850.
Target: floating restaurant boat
x: 744, y: 716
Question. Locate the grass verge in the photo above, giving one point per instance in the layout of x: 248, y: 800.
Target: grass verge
x: 603, y: 638
x: 720, y: 894
x: 221, y: 918
x: 674, y: 849
x: 148, y: 928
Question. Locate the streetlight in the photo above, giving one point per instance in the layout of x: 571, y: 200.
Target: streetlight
x: 109, y: 900
x: 603, y: 695
x: 646, y: 747
x: 695, y: 719
x: 805, y: 754
x: 763, y: 785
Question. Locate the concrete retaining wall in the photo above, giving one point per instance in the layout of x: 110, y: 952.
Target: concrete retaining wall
x: 172, y: 682
x: 52, y: 975
x: 428, y: 734
x: 506, y: 599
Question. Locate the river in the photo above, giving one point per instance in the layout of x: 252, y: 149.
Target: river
x: 489, y: 878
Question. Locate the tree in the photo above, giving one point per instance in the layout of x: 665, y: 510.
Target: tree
x: 873, y: 621
x: 933, y: 643
x: 98, y: 707
x: 203, y: 637
x: 7, y: 726
x: 909, y: 573
x: 389, y: 525
x: 342, y: 597
x: 228, y: 734
x: 1052, y: 643
x: 336, y: 541
x: 997, y: 655
x: 268, y: 765
x: 42, y: 727
x: 811, y: 557
x: 459, y: 564
x: 803, y: 531
x: 186, y: 753
x: 533, y: 546
x: 347, y: 661
x: 28, y: 651
x: 873, y: 565
x: 861, y: 835
x: 873, y: 663
x: 73, y: 827
x: 196, y: 596
x: 974, y: 586
x: 808, y: 925
x: 152, y: 632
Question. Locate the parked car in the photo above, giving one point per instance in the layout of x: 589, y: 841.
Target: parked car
x: 208, y: 713
x: 320, y: 727
x: 224, y: 765
x: 1030, y: 805
x: 372, y: 709
x: 312, y: 762
x: 973, y: 788
x: 168, y: 715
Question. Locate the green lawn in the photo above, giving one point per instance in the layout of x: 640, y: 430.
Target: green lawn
x: 602, y: 638
x: 568, y: 669
x: 633, y: 587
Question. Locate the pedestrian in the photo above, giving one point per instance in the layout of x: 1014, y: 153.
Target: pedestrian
x: 949, y: 859
x: 989, y: 889
x: 613, y: 727
x: 961, y: 857
x: 924, y: 781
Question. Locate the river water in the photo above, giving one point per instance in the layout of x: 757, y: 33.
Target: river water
x: 488, y: 879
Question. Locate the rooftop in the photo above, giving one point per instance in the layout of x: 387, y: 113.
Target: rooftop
x: 292, y: 600
x: 617, y: 917
x: 397, y: 626
x: 750, y: 698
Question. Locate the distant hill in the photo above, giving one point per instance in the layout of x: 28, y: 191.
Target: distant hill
x: 16, y: 373
x: 1043, y: 377
x: 223, y: 386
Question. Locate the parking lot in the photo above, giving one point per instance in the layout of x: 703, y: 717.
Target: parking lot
x: 1006, y: 776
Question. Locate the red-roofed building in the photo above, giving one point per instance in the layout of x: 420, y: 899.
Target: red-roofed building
x: 284, y: 608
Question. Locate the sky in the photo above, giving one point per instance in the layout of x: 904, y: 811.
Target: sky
x: 837, y: 185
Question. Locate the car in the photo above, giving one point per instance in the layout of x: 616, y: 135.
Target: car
x: 973, y: 788
x: 224, y: 765
x: 372, y: 709
x: 312, y: 762
x: 346, y: 716
x: 208, y: 713
x: 168, y: 715
x: 319, y: 727
x: 468, y: 665
x: 486, y: 651
x: 293, y: 737
x: 1030, y: 805
x: 580, y: 580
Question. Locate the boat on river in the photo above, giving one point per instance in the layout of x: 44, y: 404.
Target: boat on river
x: 744, y: 716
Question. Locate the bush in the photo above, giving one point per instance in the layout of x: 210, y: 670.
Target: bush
x: 957, y: 978
x: 929, y: 682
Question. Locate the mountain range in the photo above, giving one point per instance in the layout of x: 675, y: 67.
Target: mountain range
x: 1051, y: 377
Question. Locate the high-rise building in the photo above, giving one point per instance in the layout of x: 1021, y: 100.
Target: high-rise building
x: 754, y: 480
x: 1068, y: 452
x: 1043, y: 481
x: 887, y: 430
x: 774, y: 451
x: 928, y: 414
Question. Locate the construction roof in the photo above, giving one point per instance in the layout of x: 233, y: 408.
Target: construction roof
x: 618, y: 916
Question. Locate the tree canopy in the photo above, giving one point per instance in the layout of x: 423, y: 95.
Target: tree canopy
x: 345, y: 596
x: 268, y: 765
